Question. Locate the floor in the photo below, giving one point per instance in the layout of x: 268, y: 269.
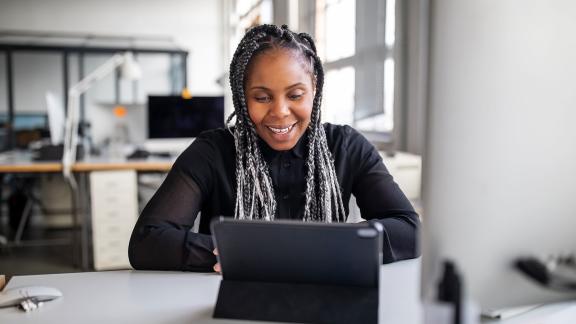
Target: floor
x: 31, y: 257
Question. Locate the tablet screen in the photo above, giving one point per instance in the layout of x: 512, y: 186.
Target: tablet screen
x: 298, y: 252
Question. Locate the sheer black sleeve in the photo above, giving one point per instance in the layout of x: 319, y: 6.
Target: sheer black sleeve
x: 162, y: 238
x: 380, y: 199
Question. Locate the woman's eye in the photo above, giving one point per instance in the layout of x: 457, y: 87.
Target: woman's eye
x: 262, y: 99
x: 295, y: 96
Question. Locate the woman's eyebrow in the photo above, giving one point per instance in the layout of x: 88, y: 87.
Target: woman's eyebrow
x: 265, y: 88
x: 294, y: 85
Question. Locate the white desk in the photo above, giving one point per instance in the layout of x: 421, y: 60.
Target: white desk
x: 177, y: 297
x: 183, y: 297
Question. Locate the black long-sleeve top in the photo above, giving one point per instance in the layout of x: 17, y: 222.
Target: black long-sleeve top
x: 203, y: 180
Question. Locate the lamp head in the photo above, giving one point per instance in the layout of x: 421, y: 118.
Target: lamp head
x: 130, y: 69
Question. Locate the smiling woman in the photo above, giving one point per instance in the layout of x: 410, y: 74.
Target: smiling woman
x: 279, y: 94
x: 277, y: 162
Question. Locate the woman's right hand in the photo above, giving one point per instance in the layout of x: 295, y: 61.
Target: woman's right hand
x: 217, y: 265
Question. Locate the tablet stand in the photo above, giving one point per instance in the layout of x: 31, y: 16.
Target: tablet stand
x: 297, y: 302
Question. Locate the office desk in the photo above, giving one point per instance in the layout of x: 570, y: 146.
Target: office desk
x: 184, y: 297
x: 20, y: 162
x: 178, y: 297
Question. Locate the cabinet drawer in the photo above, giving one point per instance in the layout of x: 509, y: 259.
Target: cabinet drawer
x: 113, y: 182
x: 105, y: 231
x: 105, y: 260
x: 111, y: 254
x: 122, y: 214
x: 112, y: 244
x: 111, y: 262
x: 114, y: 203
x: 106, y: 201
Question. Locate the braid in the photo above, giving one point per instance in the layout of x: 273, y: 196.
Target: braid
x: 254, y: 189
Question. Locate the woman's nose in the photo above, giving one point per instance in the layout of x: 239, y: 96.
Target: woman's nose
x: 280, y: 108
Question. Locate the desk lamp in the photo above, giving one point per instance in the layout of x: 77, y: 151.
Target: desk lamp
x: 129, y: 70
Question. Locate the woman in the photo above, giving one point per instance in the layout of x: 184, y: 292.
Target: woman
x: 278, y: 162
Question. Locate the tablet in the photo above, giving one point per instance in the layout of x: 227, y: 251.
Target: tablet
x: 299, y: 252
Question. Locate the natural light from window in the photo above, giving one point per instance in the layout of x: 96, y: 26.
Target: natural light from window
x: 340, y: 29
x: 338, y: 99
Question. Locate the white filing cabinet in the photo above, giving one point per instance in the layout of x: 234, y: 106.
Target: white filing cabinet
x: 114, y: 205
x: 406, y: 169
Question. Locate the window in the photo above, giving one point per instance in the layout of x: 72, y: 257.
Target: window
x: 339, y: 92
x: 340, y: 21
x: 356, y: 41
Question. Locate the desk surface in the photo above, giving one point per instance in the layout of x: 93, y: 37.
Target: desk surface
x: 184, y: 297
x: 177, y: 297
x: 20, y: 162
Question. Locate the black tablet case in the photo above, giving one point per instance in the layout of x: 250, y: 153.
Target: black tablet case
x: 298, y: 272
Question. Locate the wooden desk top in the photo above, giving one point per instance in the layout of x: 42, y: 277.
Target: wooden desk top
x: 22, y: 163
x: 138, y: 165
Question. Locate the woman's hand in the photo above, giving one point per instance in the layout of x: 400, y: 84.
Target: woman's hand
x: 217, y: 265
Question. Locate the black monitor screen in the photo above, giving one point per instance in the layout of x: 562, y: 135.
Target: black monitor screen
x: 176, y: 117
x: 26, y: 121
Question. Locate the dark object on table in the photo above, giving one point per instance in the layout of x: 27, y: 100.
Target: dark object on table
x: 51, y: 152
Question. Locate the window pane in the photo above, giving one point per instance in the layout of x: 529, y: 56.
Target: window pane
x: 389, y: 75
x: 382, y: 122
x: 390, y: 27
x: 338, y: 99
x: 340, y: 29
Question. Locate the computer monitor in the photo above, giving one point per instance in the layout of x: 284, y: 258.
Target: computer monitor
x: 27, y: 127
x: 26, y: 121
x: 500, y: 162
x: 173, y: 122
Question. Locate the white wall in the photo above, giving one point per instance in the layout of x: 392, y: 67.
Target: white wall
x: 500, y: 162
x: 195, y: 25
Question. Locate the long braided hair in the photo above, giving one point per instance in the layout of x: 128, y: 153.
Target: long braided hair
x: 254, y: 189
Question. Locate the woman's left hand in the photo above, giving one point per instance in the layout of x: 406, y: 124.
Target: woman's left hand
x: 217, y: 265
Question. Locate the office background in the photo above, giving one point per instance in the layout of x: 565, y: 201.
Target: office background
x: 372, y: 77
x: 376, y: 60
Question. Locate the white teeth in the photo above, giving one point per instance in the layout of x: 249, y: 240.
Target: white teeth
x: 281, y: 130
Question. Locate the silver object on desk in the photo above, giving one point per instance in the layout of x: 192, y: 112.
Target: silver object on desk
x: 28, y: 298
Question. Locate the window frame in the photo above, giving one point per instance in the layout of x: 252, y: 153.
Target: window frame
x: 368, y: 62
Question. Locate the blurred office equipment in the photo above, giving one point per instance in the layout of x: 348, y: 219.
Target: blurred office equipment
x: 56, y: 118
x: 500, y: 164
x: 129, y: 70
x: 174, y: 121
x: 66, y: 58
x: 26, y: 128
x: 125, y: 61
x: 51, y: 148
x: 114, y: 207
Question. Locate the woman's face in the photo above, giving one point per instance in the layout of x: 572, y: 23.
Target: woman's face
x: 279, y: 94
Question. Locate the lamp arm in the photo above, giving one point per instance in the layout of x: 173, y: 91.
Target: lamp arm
x: 74, y: 93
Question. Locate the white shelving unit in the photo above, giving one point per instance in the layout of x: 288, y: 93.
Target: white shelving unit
x: 114, y: 205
